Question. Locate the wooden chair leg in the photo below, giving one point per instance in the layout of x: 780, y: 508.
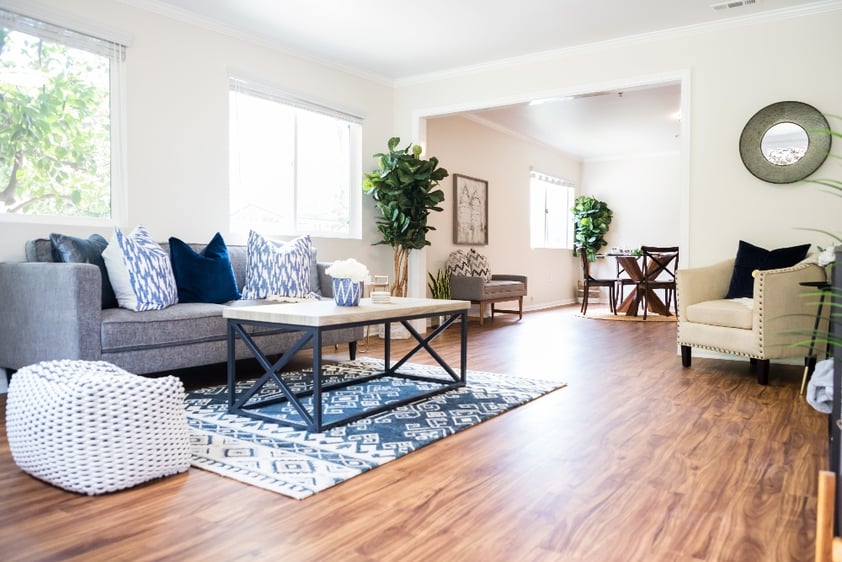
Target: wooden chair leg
x: 520, y: 308
x: 585, y: 293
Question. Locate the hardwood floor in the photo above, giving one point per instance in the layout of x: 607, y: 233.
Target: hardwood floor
x: 636, y: 459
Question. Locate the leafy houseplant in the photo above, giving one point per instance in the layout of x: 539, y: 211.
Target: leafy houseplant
x: 439, y: 284
x: 404, y: 191
x: 591, y: 218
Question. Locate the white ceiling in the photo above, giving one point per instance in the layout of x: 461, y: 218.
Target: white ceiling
x: 397, y: 42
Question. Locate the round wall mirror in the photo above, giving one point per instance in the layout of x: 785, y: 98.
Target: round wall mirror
x: 785, y: 142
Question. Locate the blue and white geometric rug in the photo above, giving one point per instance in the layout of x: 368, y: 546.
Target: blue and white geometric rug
x: 297, y: 463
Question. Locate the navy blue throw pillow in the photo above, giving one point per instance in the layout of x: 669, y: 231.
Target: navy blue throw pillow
x: 206, y: 276
x: 69, y: 249
x: 750, y: 257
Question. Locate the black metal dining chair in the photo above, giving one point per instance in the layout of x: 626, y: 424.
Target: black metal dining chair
x: 590, y: 281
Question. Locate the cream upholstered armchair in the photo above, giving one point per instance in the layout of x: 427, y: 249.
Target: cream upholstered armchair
x: 779, y: 313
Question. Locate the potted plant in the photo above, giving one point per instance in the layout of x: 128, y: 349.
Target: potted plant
x: 348, y: 276
x: 591, y: 218
x: 439, y: 284
x: 404, y: 191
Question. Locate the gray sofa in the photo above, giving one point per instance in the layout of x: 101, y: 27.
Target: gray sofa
x: 53, y: 311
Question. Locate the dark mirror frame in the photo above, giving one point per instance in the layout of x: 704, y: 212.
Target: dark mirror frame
x: 808, y: 118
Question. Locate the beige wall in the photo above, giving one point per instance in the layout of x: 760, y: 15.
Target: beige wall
x: 727, y: 74
x: 177, y: 128
x: 631, y: 187
x: 471, y: 149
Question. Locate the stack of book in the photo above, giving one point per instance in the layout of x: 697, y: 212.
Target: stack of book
x: 380, y: 297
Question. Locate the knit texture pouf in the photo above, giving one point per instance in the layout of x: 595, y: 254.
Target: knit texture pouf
x: 91, y: 427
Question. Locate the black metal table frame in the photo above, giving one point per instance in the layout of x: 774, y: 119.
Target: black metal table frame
x: 312, y: 421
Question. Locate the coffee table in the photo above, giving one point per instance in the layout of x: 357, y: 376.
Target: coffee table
x: 312, y: 319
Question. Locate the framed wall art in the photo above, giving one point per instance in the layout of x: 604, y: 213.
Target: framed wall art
x: 470, y: 212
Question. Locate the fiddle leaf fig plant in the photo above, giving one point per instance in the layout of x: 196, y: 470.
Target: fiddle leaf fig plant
x: 404, y: 191
x: 591, y: 218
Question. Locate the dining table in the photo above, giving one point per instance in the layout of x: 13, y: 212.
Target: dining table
x: 632, y: 265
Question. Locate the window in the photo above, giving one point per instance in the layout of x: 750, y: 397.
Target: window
x: 551, y: 222
x: 60, y: 92
x: 295, y: 167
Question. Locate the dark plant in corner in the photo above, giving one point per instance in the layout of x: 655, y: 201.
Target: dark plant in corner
x: 404, y: 191
x: 591, y: 218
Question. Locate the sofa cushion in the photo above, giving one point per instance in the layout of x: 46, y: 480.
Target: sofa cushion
x: 183, y: 324
x: 751, y: 257
x: 124, y: 330
x: 497, y: 288
x: 277, y: 270
x: 140, y: 271
x: 70, y: 249
x: 205, y: 276
x: 732, y: 313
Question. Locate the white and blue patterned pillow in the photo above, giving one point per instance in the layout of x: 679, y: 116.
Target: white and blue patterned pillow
x: 140, y: 271
x: 479, y: 265
x: 277, y: 270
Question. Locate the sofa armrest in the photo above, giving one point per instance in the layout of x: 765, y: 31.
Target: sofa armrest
x: 49, y: 311
x: 785, y: 311
x: 466, y: 288
x: 700, y: 284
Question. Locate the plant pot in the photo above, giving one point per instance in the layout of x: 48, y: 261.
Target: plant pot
x: 346, y: 292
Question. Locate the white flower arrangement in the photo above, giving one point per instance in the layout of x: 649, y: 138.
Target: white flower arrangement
x: 348, y: 269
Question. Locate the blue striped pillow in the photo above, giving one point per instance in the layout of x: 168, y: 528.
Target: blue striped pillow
x: 140, y: 271
x: 277, y: 270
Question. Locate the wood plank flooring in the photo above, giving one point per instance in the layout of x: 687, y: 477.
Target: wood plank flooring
x: 636, y: 459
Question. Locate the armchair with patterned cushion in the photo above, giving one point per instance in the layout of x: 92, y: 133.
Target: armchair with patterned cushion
x: 472, y: 280
x: 752, y: 305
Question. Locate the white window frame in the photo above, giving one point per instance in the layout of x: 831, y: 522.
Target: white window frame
x: 546, y: 207
x: 353, y: 226
x: 54, y: 25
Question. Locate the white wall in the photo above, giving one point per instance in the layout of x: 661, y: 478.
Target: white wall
x: 644, y: 194
x: 732, y: 71
x: 177, y: 115
x: 504, y: 161
x: 177, y: 126
x: 631, y: 187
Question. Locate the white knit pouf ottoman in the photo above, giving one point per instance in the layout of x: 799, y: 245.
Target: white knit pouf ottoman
x: 91, y: 427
